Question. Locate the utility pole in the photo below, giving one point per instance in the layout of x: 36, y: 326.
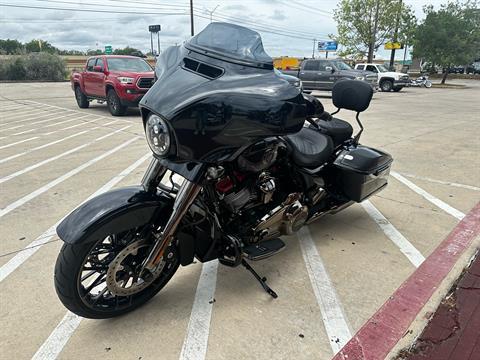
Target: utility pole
x: 373, y: 38
x: 313, y: 51
x: 192, y: 31
x: 395, y: 34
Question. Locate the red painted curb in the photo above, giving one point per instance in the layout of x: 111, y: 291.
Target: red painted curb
x: 388, y: 325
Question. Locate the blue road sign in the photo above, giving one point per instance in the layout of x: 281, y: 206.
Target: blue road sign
x: 327, y: 46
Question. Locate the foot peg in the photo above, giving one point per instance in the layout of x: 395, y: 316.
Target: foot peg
x: 261, y: 280
x: 263, y: 249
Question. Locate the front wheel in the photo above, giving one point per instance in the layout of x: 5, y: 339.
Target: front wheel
x: 386, y: 85
x: 82, y: 100
x: 102, y: 279
x: 428, y: 84
x: 114, y: 104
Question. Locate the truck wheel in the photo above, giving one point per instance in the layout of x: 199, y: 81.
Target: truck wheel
x: 397, y: 89
x: 386, y: 85
x: 82, y: 100
x: 114, y: 105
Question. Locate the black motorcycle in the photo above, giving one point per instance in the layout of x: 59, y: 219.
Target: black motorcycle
x: 258, y: 159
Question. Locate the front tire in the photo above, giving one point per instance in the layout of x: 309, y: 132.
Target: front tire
x: 114, y: 104
x: 82, y: 100
x: 386, y: 85
x: 81, y: 274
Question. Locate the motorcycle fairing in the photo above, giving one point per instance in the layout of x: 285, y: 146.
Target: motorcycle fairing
x: 212, y: 118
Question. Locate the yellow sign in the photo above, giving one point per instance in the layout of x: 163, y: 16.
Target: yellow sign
x: 393, y: 45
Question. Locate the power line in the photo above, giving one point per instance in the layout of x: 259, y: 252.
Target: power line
x: 91, y: 10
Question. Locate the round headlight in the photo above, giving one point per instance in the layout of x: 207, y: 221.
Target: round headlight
x: 158, y: 135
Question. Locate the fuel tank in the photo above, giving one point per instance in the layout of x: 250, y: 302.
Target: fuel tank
x: 219, y: 94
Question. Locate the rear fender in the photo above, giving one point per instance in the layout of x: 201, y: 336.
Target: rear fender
x: 112, y: 212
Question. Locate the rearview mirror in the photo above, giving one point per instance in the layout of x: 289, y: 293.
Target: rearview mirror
x: 352, y: 95
x: 97, y: 68
x: 328, y: 68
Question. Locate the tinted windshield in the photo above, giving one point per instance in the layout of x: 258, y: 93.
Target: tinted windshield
x: 382, y: 68
x: 128, y: 64
x: 232, y: 41
x: 342, y: 66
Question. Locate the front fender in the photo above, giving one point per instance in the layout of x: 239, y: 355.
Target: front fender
x: 112, y: 212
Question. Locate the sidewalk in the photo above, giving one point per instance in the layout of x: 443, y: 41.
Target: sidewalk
x: 454, y: 330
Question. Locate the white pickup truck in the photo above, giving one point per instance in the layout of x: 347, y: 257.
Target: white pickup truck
x: 387, y: 80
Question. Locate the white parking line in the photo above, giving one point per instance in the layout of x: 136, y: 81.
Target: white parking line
x: 12, y: 107
x: 18, y: 142
x: 412, y: 254
x: 437, y: 202
x: 44, y: 126
x: 334, y: 318
x: 56, y: 157
x: 469, y: 187
x: 19, y: 115
x: 81, y: 124
x: 66, y: 109
x: 8, y: 158
x: 58, y: 338
x: 62, y: 178
x: 35, y: 245
x: 196, y: 340
x: 38, y: 116
x: 36, y: 122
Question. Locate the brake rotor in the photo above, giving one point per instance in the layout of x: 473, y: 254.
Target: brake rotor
x: 123, y: 278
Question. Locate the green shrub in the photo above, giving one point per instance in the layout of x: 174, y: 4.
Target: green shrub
x: 15, y: 69
x: 44, y: 66
x: 36, y: 66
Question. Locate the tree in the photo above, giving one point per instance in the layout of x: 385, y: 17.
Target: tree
x: 40, y: 45
x: 364, y: 25
x: 128, y: 51
x: 10, y: 47
x: 449, y: 36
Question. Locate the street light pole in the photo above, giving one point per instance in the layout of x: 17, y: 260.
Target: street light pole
x: 192, y: 32
x: 313, y: 51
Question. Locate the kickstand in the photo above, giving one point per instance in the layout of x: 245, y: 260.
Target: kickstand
x: 262, y: 281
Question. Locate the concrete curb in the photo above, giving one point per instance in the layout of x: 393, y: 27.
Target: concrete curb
x: 381, y: 333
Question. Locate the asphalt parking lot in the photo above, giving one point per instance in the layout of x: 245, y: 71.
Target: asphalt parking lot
x: 332, y: 278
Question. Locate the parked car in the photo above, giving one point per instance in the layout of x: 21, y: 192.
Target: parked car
x: 455, y: 70
x: 473, y: 68
x: 291, y: 79
x: 387, y: 80
x: 322, y: 74
x: 121, y: 81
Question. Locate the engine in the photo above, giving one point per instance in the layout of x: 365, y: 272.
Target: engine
x: 257, y: 195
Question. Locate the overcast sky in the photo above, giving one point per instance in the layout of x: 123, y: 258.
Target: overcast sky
x: 298, y: 21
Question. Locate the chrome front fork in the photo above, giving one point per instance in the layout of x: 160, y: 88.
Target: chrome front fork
x: 186, y: 195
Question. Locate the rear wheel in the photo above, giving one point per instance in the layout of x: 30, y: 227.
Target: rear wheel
x: 81, y: 98
x: 103, y: 279
x: 386, y: 85
x: 114, y: 104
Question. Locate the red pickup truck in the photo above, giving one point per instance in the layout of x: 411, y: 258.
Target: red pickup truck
x: 121, y: 81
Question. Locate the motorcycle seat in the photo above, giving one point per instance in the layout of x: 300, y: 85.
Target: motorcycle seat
x: 339, y: 130
x: 310, y: 148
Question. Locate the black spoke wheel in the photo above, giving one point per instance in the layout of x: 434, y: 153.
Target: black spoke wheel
x: 103, y: 279
x: 82, y: 100
x: 114, y: 104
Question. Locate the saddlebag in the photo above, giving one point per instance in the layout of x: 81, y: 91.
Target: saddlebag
x: 363, y: 171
